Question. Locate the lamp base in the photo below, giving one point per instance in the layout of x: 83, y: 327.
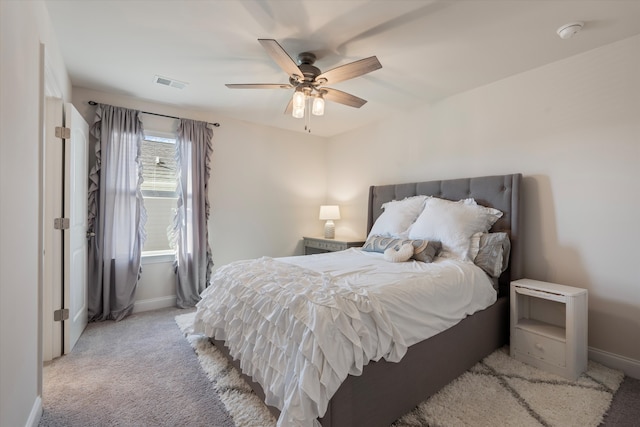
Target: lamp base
x: 329, y: 230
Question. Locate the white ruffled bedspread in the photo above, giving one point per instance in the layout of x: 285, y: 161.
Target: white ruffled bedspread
x: 299, y: 332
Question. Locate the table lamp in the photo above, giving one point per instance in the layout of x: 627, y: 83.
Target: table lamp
x: 329, y: 213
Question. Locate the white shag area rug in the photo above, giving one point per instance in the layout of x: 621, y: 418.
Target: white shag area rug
x: 499, y: 390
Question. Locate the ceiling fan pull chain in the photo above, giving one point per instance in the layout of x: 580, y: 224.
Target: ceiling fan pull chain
x: 307, y: 117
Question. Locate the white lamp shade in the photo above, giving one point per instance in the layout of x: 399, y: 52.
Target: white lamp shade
x: 329, y: 212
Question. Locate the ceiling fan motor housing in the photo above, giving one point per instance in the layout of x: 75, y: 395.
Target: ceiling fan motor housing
x: 309, y: 71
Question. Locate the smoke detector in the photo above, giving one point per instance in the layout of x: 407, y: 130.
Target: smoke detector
x: 568, y: 30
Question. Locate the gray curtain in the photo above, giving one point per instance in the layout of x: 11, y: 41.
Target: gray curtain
x: 116, y: 213
x: 189, y: 234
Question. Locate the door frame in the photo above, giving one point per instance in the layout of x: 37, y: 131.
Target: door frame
x: 53, y: 255
x: 50, y: 88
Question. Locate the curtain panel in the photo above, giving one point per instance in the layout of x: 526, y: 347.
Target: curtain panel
x: 189, y: 233
x: 116, y: 213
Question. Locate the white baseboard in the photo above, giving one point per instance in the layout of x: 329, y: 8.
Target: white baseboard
x: 154, y: 304
x: 630, y: 367
x: 36, y: 413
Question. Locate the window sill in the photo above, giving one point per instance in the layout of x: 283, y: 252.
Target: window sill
x: 153, y: 257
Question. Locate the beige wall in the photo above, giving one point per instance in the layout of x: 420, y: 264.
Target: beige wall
x: 156, y: 287
x: 573, y: 129
x: 24, y: 26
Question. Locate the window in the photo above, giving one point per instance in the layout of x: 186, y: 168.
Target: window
x: 158, y: 189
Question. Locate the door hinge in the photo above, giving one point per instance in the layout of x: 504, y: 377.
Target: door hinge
x: 62, y: 132
x: 62, y: 314
x: 61, y: 223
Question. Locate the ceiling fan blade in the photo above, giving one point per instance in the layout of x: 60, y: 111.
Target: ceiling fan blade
x: 350, y: 70
x: 289, y: 108
x: 342, y: 97
x: 281, y: 57
x: 259, y: 86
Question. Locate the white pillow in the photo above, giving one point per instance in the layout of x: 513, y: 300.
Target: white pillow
x: 453, y: 224
x: 398, y: 215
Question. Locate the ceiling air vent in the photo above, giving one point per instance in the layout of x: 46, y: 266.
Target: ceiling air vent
x: 166, y: 81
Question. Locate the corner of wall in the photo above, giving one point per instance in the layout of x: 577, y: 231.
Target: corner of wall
x: 35, y: 414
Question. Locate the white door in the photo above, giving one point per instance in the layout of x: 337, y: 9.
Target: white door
x: 75, y: 237
x: 65, y: 248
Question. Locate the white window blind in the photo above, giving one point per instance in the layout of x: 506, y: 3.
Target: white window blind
x: 158, y: 189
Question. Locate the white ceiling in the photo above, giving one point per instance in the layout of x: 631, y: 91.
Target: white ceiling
x: 429, y: 50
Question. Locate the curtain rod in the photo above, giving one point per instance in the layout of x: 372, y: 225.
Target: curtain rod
x: 161, y: 115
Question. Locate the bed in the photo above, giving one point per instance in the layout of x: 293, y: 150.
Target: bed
x: 386, y: 390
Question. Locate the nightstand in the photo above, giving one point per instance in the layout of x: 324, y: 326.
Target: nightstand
x: 549, y: 326
x: 318, y: 245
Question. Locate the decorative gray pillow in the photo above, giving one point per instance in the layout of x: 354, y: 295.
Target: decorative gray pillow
x: 493, y: 253
x: 423, y: 250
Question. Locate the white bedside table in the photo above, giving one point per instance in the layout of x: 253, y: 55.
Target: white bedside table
x: 549, y: 326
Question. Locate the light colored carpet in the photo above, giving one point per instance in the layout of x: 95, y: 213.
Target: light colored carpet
x: 137, y: 372
x: 498, y: 390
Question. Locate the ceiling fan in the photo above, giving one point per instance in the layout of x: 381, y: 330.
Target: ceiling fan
x: 309, y: 82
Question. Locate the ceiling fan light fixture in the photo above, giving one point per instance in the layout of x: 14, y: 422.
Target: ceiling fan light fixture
x: 298, y: 99
x: 318, y: 106
x: 298, y: 112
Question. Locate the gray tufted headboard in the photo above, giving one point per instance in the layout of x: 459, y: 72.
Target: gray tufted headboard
x: 500, y: 192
